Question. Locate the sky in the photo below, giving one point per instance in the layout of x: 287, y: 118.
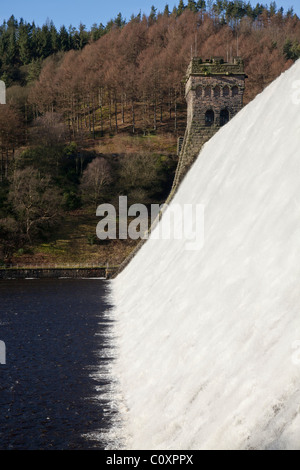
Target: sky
x: 93, y: 11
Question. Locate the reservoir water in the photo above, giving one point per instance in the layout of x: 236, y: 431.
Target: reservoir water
x: 51, y: 386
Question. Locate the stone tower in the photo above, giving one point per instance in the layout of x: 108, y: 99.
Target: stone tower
x: 214, y: 94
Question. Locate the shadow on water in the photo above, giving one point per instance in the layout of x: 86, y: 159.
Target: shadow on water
x: 51, y: 388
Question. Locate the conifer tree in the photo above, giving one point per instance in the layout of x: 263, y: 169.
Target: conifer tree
x: 166, y: 10
x: 63, y: 39
x: 24, y: 43
x: 181, y: 8
x: 152, y: 15
x: 192, y: 6
x: 201, y: 5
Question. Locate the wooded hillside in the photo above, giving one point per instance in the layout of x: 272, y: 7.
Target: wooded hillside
x: 76, y: 95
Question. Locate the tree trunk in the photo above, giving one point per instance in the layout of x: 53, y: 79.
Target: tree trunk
x: 133, y: 117
x: 109, y: 112
x: 101, y: 111
x: 93, y: 117
x: 154, y: 114
x: 116, y: 114
x: 123, y: 110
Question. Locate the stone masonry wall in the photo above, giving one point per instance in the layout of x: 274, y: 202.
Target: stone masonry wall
x: 215, y: 87
x: 56, y: 273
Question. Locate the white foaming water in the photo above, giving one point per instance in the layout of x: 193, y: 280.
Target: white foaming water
x: 205, y: 339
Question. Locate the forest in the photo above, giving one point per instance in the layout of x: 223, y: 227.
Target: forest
x: 92, y: 115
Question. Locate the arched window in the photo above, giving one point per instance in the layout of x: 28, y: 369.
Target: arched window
x: 235, y: 91
x: 199, y: 91
x: 224, y: 117
x: 226, y: 91
x: 207, y: 91
x: 209, y: 117
x: 217, y: 91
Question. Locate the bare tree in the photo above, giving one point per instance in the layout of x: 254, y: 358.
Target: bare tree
x: 35, y: 201
x: 96, y: 176
x: 138, y: 170
x: 50, y: 129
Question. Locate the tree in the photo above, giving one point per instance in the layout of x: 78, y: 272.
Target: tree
x: 192, y: 6
x: 273, y: 8
x: 119, y: 21
x: 24, y: 43
x: 291, y: 49
x: 9, y: 237
x: 10, y: 136
x: 49, y: 130
x: 63, y: 39
x: 166, y: 10
x: 152, y: 16
x: 137, y: 171
x: 83, y: 36
x: 35, y: 201
x: 201, y: 5
x: 44, y: 41
x: 54, y: 38
x: 34, y: 70
x: 95, y: 178
x: 290, y: 12
x: 180, y: 8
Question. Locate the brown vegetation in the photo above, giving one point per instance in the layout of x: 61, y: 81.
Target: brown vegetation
x: 102, y: 121
x: 132, y: 77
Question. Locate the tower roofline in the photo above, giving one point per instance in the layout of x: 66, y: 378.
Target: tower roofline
x: 216, y: 66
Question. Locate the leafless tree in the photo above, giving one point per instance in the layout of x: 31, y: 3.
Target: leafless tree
x: 49, y: 129
x: 138, y: 170
x: 96, y: 176
x: 36, y: 202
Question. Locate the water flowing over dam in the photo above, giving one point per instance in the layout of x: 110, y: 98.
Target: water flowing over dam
x: 207, y: 340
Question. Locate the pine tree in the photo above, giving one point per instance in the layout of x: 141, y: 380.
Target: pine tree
x: 181, y: 8
x: 24, y: 43
x: 12, y: 50
x: 44, y: 41
x: 152, y: 15
x: 12, y: 23
x: 273, y: 8
x: 34, y: 41
x: 54, y: 38
x: 119, y: 21
x: 72, y: 38
x: 201, y: 5
x: 83, y: 36
x: 192, y: 6
x: 34, y: 70
x: 166, y: 10
x: 63, y: 39
x: 249, y: 11
x: 137, y: 18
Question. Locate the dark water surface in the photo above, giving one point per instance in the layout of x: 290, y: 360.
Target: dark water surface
x: 53, y: 334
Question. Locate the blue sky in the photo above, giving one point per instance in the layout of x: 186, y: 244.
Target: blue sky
x: 93, y: 11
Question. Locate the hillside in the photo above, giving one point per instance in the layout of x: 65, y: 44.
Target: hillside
x: 114, y: 95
